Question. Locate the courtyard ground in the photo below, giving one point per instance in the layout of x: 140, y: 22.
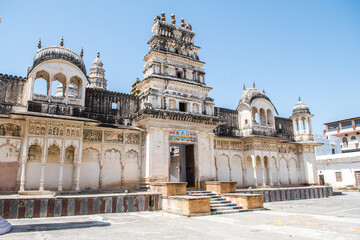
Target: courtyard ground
x: 337, y: 217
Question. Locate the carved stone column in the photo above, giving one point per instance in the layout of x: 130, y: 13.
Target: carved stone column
x: 24, y: 159
x: 61, y: 171
x: 43, y: 163
x: 263, y: 173
x: 254, y: 168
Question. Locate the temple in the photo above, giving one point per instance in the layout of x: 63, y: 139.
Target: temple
x: 80, y: 136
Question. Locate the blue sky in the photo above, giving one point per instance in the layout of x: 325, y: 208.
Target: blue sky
x: 289, y: 48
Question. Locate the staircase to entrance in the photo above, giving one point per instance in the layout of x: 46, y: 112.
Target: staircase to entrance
x: 218, y: 204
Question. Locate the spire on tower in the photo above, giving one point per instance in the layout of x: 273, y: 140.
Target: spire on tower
x: 82, y: 52
x: 173, y: 21
x: 62, y: 42
x: 39, y: 44
x: 254, y: 84
x: 163, y: 19
x: 182, y: 23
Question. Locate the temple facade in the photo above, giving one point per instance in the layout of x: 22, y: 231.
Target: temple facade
x: 83, y: 137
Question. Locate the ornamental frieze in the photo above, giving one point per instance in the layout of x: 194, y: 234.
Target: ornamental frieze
x: 90, y: 135
x: 132, y: 138
x: 116, y: 137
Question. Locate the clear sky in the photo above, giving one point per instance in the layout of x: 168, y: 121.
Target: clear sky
x: 289, y: 48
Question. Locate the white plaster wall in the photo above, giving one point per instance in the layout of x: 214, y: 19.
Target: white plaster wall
x: 236, y: 170
x: 32, y: 175
x: 223, y: 170
x: 293, y: 173
x: 112, y: 169
x: 249, y: 173
x: 205, y: 147
x: 283, y: 171
x: 90, y: 169
x: 68, y: 175
x: 51, y: 177
x: 131, y: 174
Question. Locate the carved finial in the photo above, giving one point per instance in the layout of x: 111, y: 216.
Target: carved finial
x: 254, y: 84
x: 39, y: 44
x: 173, y: 21
x: 299, y: 99
x: 98, y: 54
x: 263, y: 90
x: 182, y: 23
x: 163, y: 19
x: 62, y: 42
x: 82, y: 52
x: 137, y: 80
x: 244, y: 88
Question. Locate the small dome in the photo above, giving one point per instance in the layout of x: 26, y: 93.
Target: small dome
x: 57, y: 52
x: 250, y: 95
x: 300, y: 108
x: 97, y: 61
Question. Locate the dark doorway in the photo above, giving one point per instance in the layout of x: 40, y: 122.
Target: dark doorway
x: 182, y: 106
x: 321, y: 179
x: 182, y: 164
x: 190, y: 166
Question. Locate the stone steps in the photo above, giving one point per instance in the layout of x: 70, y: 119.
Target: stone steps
x: 218, y: 204
x: 5, y: 226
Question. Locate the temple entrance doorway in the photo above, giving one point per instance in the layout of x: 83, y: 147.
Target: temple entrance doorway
x: 182, y: 164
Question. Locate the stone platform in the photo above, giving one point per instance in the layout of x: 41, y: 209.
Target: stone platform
x: 22, y: 206
x: 290, y: 193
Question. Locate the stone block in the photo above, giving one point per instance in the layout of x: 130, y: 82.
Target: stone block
x: 246, y: 201
x: 218, y: 187
x: 169, y: 188
x: 187, y: 205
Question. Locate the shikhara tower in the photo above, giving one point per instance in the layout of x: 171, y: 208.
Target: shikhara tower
x: 173, y: 75
x: 97, y: 75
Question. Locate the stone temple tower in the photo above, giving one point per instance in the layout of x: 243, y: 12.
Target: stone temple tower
x: 301, y: 118
x: 97, y: 75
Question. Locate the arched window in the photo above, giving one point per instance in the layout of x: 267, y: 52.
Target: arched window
x: 255, y: 115
x: 353, y: 138
x: 40, y: 86
x: 58, y: 86
x: 262, y: 117
x: 270, y: 117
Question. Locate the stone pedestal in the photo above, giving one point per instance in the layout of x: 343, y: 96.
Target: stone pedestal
x: 169, y: 188
x: 218, y: 187
x: 247, y: 201
x: 187, y: 205
x: 5, y: 226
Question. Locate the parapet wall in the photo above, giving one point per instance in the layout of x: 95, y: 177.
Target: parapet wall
x: 47, y: 206
x: 286, y: 194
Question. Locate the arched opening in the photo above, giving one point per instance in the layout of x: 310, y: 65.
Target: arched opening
x: 262, y: 117
x: 68, y: 170
x: 75, y: 86
x: 52, y: 168
x: 303, y: 123
x: 40, y: 86
x: 33, y: 168
x: 41, y: 83
x: 255, y: 115
x: 273, y: 170
x: 58, y: 84
x: 270, y: 117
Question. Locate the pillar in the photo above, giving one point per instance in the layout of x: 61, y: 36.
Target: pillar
x: 43, y: 162
x: 254, y: 168
x: 263, y: 173
x: 61, y: 171
x: 24, y: 159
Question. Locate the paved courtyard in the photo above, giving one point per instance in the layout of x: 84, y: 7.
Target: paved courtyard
x: 336, y: 217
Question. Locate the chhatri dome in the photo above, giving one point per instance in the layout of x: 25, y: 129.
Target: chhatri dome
x: 58, y: 52
x: 300, y: 108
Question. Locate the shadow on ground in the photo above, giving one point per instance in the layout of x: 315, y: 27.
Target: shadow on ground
x: 57, y: 226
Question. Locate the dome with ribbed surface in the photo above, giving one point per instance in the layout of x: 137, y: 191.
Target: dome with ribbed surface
x: 58, y: 52
x: 300, y: 108
x: 250, y: 95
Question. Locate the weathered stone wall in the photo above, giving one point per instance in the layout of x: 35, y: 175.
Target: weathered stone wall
x: 99, y: 106
x: 11, y: 92
x: 284, y: 128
